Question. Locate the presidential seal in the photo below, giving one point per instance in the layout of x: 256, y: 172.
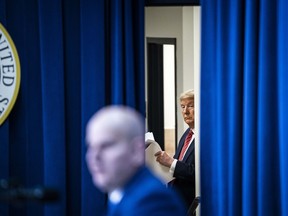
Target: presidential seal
x: 9, y: 74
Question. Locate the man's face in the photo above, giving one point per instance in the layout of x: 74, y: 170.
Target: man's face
x: 187, y: 106
x: 108, y: 158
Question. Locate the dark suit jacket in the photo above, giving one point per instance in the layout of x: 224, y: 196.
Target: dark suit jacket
x: 146, y: 195
x: 184, y: 173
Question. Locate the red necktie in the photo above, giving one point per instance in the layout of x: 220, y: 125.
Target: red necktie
x: 186, y: 144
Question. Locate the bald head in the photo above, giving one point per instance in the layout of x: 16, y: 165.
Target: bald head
x: 116, y: 146
x: 121, y: 120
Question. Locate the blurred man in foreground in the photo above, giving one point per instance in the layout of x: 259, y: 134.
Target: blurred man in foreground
x: 115, y: 159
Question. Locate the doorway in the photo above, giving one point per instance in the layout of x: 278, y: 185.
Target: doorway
x: 183, y: 24
x: 161, y: 78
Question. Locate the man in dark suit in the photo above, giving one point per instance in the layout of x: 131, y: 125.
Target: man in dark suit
x: 116, y: 158
x: 182, y: 165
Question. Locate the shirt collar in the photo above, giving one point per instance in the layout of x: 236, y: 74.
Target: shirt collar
x: 115, y: 196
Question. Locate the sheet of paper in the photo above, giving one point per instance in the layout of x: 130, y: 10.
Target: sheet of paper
x: 159, y: 170
x: 149, y: 136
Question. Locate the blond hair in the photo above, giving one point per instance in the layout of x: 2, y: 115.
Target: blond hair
x: 189, y: 94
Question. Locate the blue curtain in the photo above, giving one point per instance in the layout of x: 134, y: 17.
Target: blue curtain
x: 244, y: 103
x: 76, y: 56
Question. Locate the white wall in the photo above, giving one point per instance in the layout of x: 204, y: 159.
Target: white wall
x: 196, y: 57
x: 188, y: 55
x: 169, y: 80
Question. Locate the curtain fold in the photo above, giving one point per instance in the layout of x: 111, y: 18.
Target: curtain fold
x: 76, y: 57
x: 94, y: 90
x: 282, y: 102
x: 243, y: 100
x: 53, y: 101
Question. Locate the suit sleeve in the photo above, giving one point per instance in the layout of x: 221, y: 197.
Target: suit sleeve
x: 185, y: 170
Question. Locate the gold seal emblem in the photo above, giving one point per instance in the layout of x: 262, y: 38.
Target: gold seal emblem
x: 9, y: 74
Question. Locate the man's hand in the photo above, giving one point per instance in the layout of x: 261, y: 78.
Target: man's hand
x: 163, y: 158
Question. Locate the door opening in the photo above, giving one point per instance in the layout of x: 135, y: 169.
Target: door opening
x: 161, y: 108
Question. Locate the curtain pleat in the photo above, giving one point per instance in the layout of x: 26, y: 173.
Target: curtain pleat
x: 76, y: 57
x: 282, y: 102
x: 94, y: 89
x: 243, y: 99
x: 53, y: 101
x: 250, y: 110
x: 72, y: 80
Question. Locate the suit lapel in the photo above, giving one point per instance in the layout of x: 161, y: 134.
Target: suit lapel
x: 189, y: 151
x: 181, y: 143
